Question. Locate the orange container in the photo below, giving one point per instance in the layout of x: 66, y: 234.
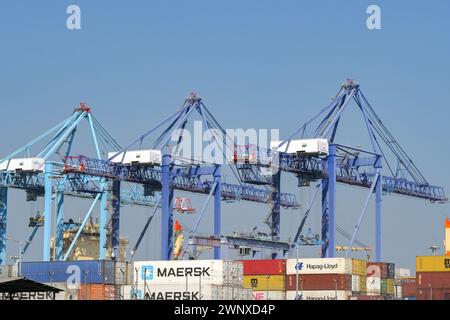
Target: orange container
x: 96, y: 292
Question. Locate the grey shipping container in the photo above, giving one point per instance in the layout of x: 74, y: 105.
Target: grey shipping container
x: 86, y: 272
x: 123, y: 273
x: 391, y: 270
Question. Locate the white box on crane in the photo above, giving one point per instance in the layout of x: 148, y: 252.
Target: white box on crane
x: 23, y: 164
x: 313, y: 147
x: 145, y: 157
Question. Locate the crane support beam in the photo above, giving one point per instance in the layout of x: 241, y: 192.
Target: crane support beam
x: 48, y: 184
x: 3, y: 223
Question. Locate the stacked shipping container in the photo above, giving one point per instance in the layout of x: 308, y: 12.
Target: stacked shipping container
x: 266, y: 278
x: 381, y: 279
x: 321, y: 279
x: 433, y: 277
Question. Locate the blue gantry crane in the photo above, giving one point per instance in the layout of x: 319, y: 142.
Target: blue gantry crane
x: 174, y: 172
x: 386, y: 168
x: 39, y: 168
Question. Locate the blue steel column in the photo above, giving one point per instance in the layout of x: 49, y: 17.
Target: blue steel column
x: 3, y: 224
x: 166, y: 226
x: 217, y: 210
x: 276, y: 180
x: 378, y: 227
x: 324, y: 217
x: 59, y: 224
x: 48, y: 211
x: 103, y: 221
x: 331, y: 201
x: 115, y: 217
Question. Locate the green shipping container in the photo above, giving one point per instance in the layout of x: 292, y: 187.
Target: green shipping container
x: 384, y: 286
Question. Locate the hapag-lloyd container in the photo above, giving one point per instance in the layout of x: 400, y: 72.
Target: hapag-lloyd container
x: 320, y: 295
x: 319, y: 266
x: 193, y: 272
x: 264, y: 267
x: 269, y: 295
x: 319, y: 282
x: 180, y: 292
x: 93, y: 271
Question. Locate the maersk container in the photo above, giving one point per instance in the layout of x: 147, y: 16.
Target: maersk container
x: 319, y: 295
x: 319, y: 266
x: 88, y: 271
x: 193, y: 272
x: 180, y: 292
x: 264, y: 267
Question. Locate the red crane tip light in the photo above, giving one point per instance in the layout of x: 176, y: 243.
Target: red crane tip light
x: 83, y: 107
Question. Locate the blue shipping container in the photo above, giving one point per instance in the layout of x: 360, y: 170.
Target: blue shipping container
x: 92, y: 271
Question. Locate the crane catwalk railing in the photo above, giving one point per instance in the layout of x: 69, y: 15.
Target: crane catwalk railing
x: 315, y: 168
x: 75, y: 186
x: 151, y: 175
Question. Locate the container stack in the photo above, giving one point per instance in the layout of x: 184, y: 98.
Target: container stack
x: 408, y: 288
x: 187, y: 280
x: 319, y: 279
x: 266, y: 278
x: 400, y: 275
x: 381, y: 279
x: 81, y: 280
x: 433, y: 277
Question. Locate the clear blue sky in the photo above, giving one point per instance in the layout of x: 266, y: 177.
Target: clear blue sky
x: 263, y: 64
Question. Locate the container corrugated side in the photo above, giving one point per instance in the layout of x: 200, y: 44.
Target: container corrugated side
x: 437, y: 280
x: 319, y: 295
x: 374, y: 285
x: 97, y: 292
x: 264, y: 267
x: 262, y: 283
x: 390, y: 290
x: 384, y: 286
x: 433, y: 264
x: 216, y: 272
x: 319, y: 282
x: 95, y: 271
x: 180, y: 292
x: 123, y: 273
x: 435, y: 294
x: 319, y: 266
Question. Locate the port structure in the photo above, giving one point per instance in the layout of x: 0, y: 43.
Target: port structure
x: 385, y: 169
x: 50, y: 180
x: 178, y: 173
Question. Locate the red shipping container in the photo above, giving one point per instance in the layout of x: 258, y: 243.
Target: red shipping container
x: 377, y: 269
x: 435, y: 294
x: 264, y: 267
x: 320, y: 282
x: 409, y: 289
x: 437, y: 280
x: 96, y: 292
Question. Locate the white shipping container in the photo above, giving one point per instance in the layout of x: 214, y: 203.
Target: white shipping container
x: 192, y: 272
x: 374, y: 285
x: 23, y: 164
x: 355, y: 283
x: 152, y: 157
x: 10, y: 271
x: 180, y: 292
x: 319, y: 266
x: 305, y: 146
x: 398, y: 291
x: 269, y: 295
x: 402, y: 273
x: 320, y: 295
